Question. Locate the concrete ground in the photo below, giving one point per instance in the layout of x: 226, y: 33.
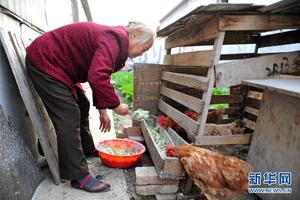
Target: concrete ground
x: 47, y: 190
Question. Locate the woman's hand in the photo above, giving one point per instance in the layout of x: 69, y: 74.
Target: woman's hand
x: 104, y: 121
x: 122, y: 109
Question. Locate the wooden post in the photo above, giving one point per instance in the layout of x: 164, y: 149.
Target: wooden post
x: 87, y: 11
x: 75, y: 14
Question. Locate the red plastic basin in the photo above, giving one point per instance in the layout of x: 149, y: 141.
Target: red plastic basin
x: 120, y: 161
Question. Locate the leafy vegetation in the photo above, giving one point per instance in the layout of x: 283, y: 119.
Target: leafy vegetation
x: 220, y: 91
x: 123, y: 82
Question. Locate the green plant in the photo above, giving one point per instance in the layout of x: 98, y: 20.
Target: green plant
x: 220, y: 91
x: 123, y: 82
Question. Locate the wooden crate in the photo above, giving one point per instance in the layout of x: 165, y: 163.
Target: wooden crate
x: 186, y: 80
x: 166, y: 167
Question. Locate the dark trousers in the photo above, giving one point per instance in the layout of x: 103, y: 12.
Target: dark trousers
x: 70, y: 119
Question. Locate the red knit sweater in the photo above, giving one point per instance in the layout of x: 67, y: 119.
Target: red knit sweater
x: 83, y: 52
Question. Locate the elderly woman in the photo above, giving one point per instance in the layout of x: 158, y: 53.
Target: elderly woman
x: 60, y: 59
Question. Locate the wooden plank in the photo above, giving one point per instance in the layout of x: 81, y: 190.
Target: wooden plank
x: 284, y: 86
x: 255, y: 94
x: 258, y: 22
x: 253, y: 103
x: 200, y: 33
x: 181, y: 119
x: 197, y: 82
x: 211, y: 75
x: 277, y: 5
x: 184, y: 99
x: 277, y: 138
x: 224, y: 139
x: 227, y: 99
x: 253, y: 111
x: 232, y: 73
x: 34, y: 105
x: 250, y: 124
x: 197, y: 58
x: 178, y: 141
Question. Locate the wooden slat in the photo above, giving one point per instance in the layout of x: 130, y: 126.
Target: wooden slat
x: 255, y: 95
x: 184, y: 99
x: 211, y: 75
x: 199, y: 58
x: 204, y: 32
x: 253, y: 103
x: 224, y: 139
x: 230, y: 110
x: 178, y: 141
x: 226, y: 99
x: 197, y: 82
x: 232, y: 73
x: 253, y: 111
x: 250, y: 124
x: 258, y: 22
x: 184, y: 121
x: 233, y: 37
x: 34, y: 105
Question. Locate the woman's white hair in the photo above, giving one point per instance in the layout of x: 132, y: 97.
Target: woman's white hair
x: 143, y: 32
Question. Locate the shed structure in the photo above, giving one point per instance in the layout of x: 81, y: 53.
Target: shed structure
x: 186, y: 80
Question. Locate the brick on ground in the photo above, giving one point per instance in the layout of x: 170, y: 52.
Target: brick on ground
x: 148, y: 176
x: 156, y: 189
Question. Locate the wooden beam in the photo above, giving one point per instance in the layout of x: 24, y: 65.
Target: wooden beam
x: 224, y: 139
x: 197, y: 58
x: 184, y: 99
x: 201, y: 33
x: 232, y: 73
x: 184, y: 121
x: 258, y: 22
x: 197, y: 82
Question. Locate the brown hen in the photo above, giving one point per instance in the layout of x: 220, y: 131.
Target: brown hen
x: 219, y: 177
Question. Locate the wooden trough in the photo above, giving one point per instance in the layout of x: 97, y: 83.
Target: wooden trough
x: 167, y: 167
